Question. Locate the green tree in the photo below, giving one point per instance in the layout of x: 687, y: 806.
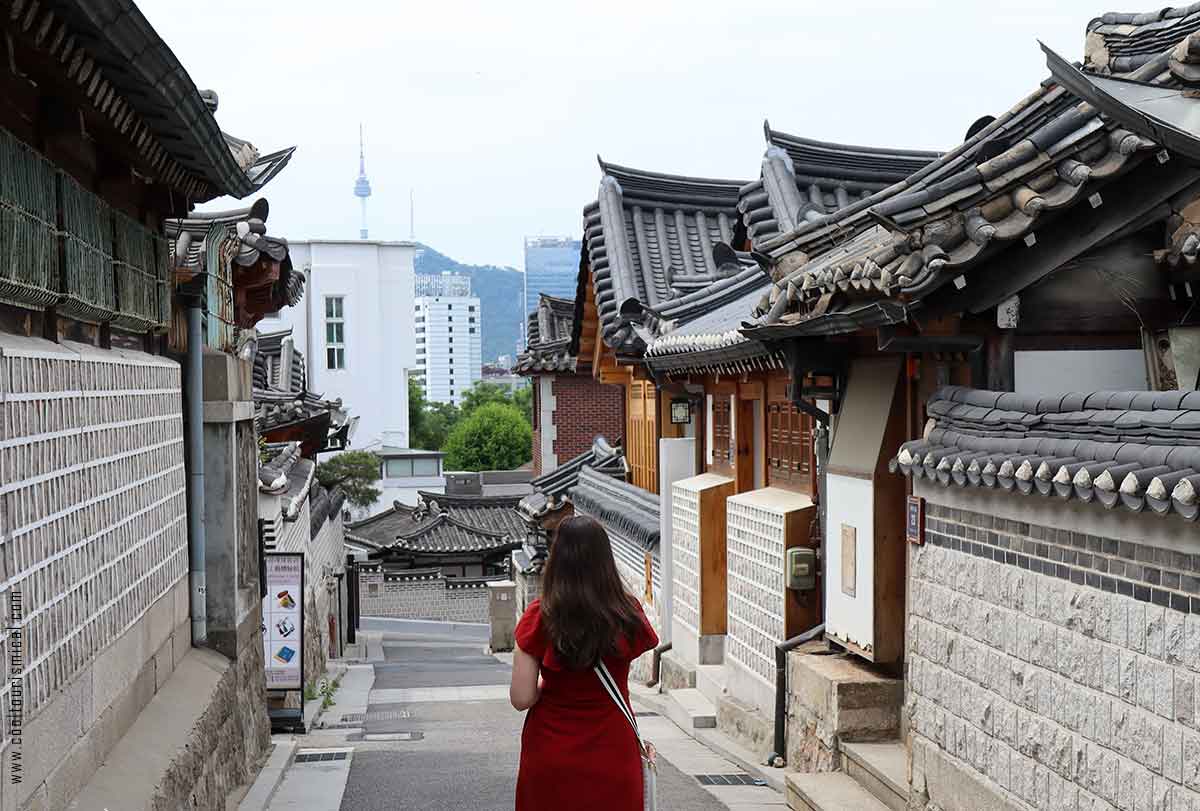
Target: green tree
x: 495, y: 436
x: 440, y: 419
x: 354, y: 472
x: 485, y: 391
x: 523, y: 399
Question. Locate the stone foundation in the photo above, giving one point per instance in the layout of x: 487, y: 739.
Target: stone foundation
x: 674, y: 673
x: 746, y: 725
x: 836, y: 697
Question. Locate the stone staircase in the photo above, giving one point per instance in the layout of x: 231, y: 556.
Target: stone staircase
x: 696, y: 707
x: 874, y: 778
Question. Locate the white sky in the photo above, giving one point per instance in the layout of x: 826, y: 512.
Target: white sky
x: 494, y: 112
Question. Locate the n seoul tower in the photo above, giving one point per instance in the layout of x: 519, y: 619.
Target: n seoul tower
x: 362, y: 186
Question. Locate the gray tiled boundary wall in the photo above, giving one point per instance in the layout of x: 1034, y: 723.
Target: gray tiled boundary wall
x: 1050, y: 667
x: 430, y: 598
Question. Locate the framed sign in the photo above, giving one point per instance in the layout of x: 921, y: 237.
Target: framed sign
x: 283, y: 620
x: 915, y: 526
x: 681, y: 412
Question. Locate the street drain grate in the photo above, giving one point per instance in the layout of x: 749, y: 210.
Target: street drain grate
x: 314, y: 756
x: 729, y: 780
x: 378, y: 715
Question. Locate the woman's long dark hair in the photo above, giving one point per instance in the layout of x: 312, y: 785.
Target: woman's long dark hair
x: 585, y: 607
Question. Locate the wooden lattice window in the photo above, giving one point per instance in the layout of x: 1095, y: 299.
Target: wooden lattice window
x: 642, y: 453
x: 722, y: 432
x: 789, y: 442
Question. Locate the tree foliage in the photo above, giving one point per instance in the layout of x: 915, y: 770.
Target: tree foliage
x: 354, y: 472
x: 431, y: 424
x: 494, y: 436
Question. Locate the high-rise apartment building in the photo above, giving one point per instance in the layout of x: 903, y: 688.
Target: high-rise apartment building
x: 551, y: 267
x: 442, y: 284
x: 449, y: 350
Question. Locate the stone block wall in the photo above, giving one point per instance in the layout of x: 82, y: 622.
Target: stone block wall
x: 94, y: 565
x: 425, y: 597
x: 1049, y: 667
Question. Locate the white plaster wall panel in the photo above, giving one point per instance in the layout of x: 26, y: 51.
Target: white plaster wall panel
x: 850, y: 502
x: 756, y: 536
x: 547, y: 402
x: 94, y: 511
x: 685, y: 553
x: 1060, y: 371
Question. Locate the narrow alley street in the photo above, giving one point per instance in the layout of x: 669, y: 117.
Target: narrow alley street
x: 425, y: 723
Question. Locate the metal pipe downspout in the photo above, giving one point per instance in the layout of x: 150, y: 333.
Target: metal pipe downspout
x: 656, y: 663
x: 197, y: 575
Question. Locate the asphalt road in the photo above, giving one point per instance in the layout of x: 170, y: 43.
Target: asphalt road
x: 464, y: 753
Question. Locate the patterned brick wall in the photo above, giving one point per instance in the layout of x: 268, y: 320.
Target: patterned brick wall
x: 685, y: 560
x: 431, y: 597
x: 1059, y: 668
x: 585, y: 408
x: 755, y: 543
x: 93, y: 515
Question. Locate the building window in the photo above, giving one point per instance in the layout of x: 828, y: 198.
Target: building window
x: 420, y: 341
x: 420, y: 319
x: 425, y: 467
x: 452, y: 381
x: 449, y: 329
x: 471, y: 320
x: 335, y: 332
x: 471, y: 308
x: 450, y: 340
x: 420, y: 330
x: 449, y: 318
x: 471, y: 330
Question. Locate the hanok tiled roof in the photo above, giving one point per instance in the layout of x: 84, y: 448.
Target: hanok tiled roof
x: 806, y: 181
x: 877, y: 259
x: 480, y: 516
x: 132, y: 78
x: 245, y: 228
x: 288, y: 475
x: 549, y: 337
x: 444, y: 534
x: 1122, y: 43
x: 1134, y: 449
x: 624, y: 508
x: 803, y: 182
x: 648, y: 242
x: 551, y: 490
x: 281, y: 396
x: 323, y: 505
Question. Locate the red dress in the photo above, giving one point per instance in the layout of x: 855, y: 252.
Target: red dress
x: 577, y: 750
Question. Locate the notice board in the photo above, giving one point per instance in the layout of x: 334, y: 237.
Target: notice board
x: 283, y: 620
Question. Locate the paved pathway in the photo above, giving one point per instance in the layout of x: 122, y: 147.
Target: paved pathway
x: 439, y: 734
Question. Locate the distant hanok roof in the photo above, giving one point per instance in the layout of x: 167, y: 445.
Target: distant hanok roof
x: 649, y: 244
x: 442, y: 524
x: 549, y: 337
x: 878, y: 260
x: 131, y: 76
x: 803, y: 182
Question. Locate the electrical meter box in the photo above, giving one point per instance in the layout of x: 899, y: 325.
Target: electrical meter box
x: 801, y: 574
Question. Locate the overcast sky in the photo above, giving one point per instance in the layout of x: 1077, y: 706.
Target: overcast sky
x: 493, y: 113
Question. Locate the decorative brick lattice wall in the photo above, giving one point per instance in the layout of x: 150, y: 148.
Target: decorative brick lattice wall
x: 584, y: 409
x: 685, y: 560
x: 431, y: 597
x: 755, y: 544
x: 94, y: 511
x: 1060, y: 668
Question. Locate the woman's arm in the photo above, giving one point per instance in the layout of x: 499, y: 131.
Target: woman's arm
x: 526, y: 687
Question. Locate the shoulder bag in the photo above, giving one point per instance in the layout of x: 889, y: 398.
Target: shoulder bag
x: 645, y: 748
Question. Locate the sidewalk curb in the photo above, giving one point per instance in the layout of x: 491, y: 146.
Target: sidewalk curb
x: 270, y: 777
x: 333, y: 671
x: 718, y: 742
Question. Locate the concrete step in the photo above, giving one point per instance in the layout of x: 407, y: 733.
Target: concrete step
x: 711, y: 680
x: 829, y: 791
x: 691, y: 709
x: 880, y: 768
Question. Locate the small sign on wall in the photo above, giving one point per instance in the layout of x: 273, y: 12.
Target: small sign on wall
x: 915, y: 531
x: 849, y: 560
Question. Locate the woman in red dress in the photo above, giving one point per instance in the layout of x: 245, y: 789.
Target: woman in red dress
x: 578, y: 751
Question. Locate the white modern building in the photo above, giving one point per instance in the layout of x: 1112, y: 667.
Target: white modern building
x: 355, y: 328
x: 449, y: 352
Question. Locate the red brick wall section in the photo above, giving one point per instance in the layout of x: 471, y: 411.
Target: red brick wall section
x: 583, y: 409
